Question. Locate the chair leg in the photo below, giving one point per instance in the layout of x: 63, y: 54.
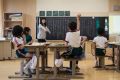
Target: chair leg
x: 73, y: 67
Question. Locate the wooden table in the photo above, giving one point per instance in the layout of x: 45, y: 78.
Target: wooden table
x: 38, y: 47
x: 113, y: 51
x: 55, y: 47
x: 117, y: 45
x: 118, y: 57
x: 42, y: 47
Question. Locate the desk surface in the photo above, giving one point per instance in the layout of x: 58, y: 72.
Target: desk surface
x: 36, y: 44
x: 114, y: 43
x: 48, y: 44
x: 54, y: 45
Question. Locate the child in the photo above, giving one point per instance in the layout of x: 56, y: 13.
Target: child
x: 27, y: 37
x: 100, y: 42
x: 18, y: 42
x: 42, y: 30
x: 74, y: 40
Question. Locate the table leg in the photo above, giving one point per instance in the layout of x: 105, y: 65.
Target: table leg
x: 118, y: 58
x: 46, y: 58
x: 55, y: 68
x: 113, y: 58
x: 73, y: 67
x: 43, y: 62
x: 37, y: 67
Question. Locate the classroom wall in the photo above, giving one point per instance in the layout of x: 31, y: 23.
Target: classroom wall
x: 113, y: 3
x: 31, y: 8
x: 85, y: 7
x: 1, y: 18
x: 27, y: 7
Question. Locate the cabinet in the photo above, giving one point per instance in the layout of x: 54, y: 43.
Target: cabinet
x: 5, y: 49
x: 10, y: 20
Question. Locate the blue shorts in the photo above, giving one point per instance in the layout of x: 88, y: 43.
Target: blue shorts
x: 23, y: 51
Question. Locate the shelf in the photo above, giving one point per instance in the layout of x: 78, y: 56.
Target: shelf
x: 11, y: 21
x: 8, y: 29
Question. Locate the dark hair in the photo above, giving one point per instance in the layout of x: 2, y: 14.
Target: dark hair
x: 17, y: 31
x: 26, y: 29
x: 72, y: 26
x: 43, y: 24
x: 101, y: 31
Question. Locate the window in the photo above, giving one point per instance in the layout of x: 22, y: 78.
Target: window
x: 114, y: 23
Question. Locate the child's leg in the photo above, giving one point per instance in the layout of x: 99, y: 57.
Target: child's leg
x: 96, y: 61
x: 77, y: 65
x: 21, y: 67
x: 26, y: 67
x: 102, y: 61
x: 70, y: 64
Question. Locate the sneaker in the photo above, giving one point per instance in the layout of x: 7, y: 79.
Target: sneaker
x: 29, y: 75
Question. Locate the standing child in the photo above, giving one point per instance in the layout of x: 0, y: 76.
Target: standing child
x: 42, y: 30
x: 100, y: 43
x: 74, y: 40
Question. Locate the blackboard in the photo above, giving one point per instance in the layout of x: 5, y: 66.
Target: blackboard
x: 59, y: 26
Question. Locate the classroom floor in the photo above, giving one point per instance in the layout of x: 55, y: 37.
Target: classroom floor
x: 86, y: 66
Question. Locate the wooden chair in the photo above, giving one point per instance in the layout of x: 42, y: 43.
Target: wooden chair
x: 73, y: 64
x: 108, y: 54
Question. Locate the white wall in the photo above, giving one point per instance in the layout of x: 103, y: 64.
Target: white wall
x: 85, y: 7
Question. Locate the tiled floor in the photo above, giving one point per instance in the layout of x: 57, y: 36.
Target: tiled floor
x: 86, y: 67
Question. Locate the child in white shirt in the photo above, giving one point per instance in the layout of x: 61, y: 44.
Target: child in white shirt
x: 101, y: 43
x: 73, y: 39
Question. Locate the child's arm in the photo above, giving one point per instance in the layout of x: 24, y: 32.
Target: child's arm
x: 29, y: 43
x: 78, y: 21
x: 106, y: 44
x: 48, y: 30
x: 66, y: 43
x: 24, y: 39
x: 83, y: 39
x: 20, y: 46
x: 67, y: 39
x: 21, y: 53
x: 45, y: 29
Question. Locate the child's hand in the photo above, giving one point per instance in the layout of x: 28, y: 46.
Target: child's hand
x: 30, y: 43
x: 78, y: 16
x: 20, y: 46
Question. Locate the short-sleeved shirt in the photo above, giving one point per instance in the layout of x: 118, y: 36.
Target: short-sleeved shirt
x: 42, y: 32
x: 28, y: 38
x: 73, y: 39
x: 17, y: 40
x: 100, y: 42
